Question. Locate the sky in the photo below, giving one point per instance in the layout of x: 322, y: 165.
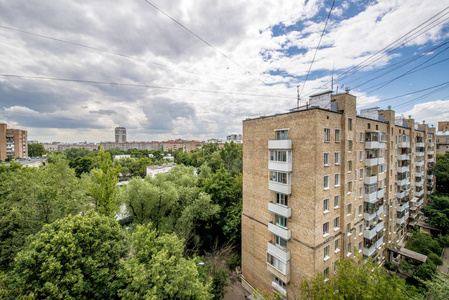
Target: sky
x: 72, y: 71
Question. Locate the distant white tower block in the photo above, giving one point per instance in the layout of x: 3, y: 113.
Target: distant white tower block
x: 120, y: 134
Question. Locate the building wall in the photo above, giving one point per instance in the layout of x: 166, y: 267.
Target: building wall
x: 13, y: 143
x: 307, y: 244
x: 132, y: 145
x: 120, y: 135
x: 443, y: 126
x: 90, y: 147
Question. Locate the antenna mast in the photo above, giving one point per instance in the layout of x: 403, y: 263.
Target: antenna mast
x: 297, y: 101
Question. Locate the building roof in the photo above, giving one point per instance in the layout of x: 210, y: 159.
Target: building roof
x: 409, y: 254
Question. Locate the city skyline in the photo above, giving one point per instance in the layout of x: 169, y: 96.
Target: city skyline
x: 72, y: 71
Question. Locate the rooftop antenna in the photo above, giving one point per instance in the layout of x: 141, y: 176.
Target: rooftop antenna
x: 297, y: 101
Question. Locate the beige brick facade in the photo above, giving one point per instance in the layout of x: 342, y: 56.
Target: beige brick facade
x: 285, y: 243
x: 13, y: 143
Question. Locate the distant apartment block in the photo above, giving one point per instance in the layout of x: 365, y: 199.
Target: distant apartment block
x: 186, y: 146
x: 443, y: 137
x: 132, y: 145
x: 120, y: 134
x: 322, y: 183
x: 158, y: 169
x: 234, y: 137
x: 13, y: 143
x: 90, y: 147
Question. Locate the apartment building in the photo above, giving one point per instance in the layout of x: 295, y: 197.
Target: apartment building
x: 13, y: 143
x: 442, y: 137
x: 120, y: 134
x: 321, y: 183
x: 132, y: 145
x: 186, y: 146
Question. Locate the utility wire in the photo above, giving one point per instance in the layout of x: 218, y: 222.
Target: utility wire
x: 203, y: 40
x: 141, y: 85
x: 423, y: 96
x: 106, y: 51
x: 414, y: 92
x: 316, y: 50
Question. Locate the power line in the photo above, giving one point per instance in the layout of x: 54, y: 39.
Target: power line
x: 141, y: 85
x: 105, y: 51
x: 414, y: 92
x: 203, y: 40
x: 316, y: 50
x: 423, y: 96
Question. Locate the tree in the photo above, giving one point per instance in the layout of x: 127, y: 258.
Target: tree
x: 36, y: 150
x: 77, y: 257
x: 232, y: 156
x: 102, y: 185
x: 355, y: 280
x: 438, y: 212
x: 158, y: 270
x: 77, y: 152
x: 32, y: 197
x: 438, y: 287
x: 81, y: 165
x: 441, y: 172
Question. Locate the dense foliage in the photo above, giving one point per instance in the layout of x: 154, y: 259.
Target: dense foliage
x: 441, y: 172
x: 35, y: 150
x: 438, y: 211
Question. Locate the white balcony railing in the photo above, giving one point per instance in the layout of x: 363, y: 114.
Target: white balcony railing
x: 279, y: 288
x: 419, y: 163
x: 280, y: 187
x: 404, y: 144
x: 420, y: 193
x: 370, y: 162
x: 280, y: 253
x: 372, y: 145
x: 280, y: 231
x: 404, y: 157
x: 279, y: 209
x: 403, y: 169
x: 370, y: 179
x: 280, y: 166
x: 371, y: 197
x: 402, y: 207
x: 380, y: 193
x: 369, y: 233
x: 420, y: 145
x: 402, y: 220
x: 279, y: 144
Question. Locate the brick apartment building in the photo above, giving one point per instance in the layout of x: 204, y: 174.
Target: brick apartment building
x: 13, y: 143
x: 322, y: 183
x: 443, y: 137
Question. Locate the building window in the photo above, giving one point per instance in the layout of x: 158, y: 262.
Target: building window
x: 326, y: 159
x: 337, y: 179
x: 276, y: 263
x: 326, y: 182
x: 281, y: 199
x: 281, y: 221
x: 326, y: 229
x: 279, y: 282
x: 326, y: 205
x: 349, y: 146
x: 361, y: 137
x: 349, y: 124
x: 349, y: 166
x: 360, y: 210
x: 326, y: 252
x: 348, y: 228
x: 349, y: 248
x: 282, y: 134
x: 327, y: 135
x: 336, y: 201
x: 278, y: 155
x: 280, y: 177
x: 360, y: 247
x: 336, y: 223
x: 348, y: 208
x: 361, y: 155
x: 349, y: 187
x: 326, y: 273
x: 361, y: 228
x: 337, y: 158
x: 280, y: 242
x: 369, y: 125
x: 337, y: 245
x: 361, y: 174
x: 337, y: 135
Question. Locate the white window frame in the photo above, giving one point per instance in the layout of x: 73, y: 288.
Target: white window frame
x: 326, y: 233
x: 338, y: 201
x: 328, y: 182
x: 326, y: 154
x: 337, y: 179
x: 326, y: 252
x: 337, y: 220
x: 337, y: 155
x: 327, y: 135
x: 326, y: 205
x: 339, y: 135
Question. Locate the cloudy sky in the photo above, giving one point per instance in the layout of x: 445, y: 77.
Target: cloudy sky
x: 73, y: 70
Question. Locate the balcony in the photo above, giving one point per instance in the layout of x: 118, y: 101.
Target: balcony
x: 380, y: 242
x: 404, y: 157
x: 380, y: 193
x: 370, y: 233
x: 370, y: 162
x: 403, y: 194
x: 431, y: 152
x: 370, y: 179
x: 280, y: 187
x: 421, y: 145
x: 280, y: 144
x: 280, y: 253
x: 280, y: 231
x: 431, y: 160
x: 280, y: 166
x: 419, y: 173
x: 370, y: 197
x: 279, y: 209
x: 380, y: 226
x: 419, y: 183
x: 430, y: 177
x: 372, y: 145
x: 402, y: 219
x: 419, y: 163
x: 403, y: 169
x: 419, y: 194
x: 401, y: 182
x: 279, y: 288
x: 402, y: 207
x: 381, y: 160
x: 404, y: 144
x: 284, y: 274
x: 420, y: 202
x: 369, y: 216
x: 419, y: 154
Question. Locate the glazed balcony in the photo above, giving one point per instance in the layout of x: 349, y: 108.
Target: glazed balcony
x: 403, y: 194
x: 282, y: 270
x: 420, y: 154
x: 283, y: 232
x: 280, y: 166
x: 401, y: 182
x: 280, y: 145
x: 420, y: 144
x: 278, y: 252
x: 278, y: 187
x: 279, y: 209
x: 368, y: 216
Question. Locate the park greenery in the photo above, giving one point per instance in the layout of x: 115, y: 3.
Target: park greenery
x: 60, y: 236
x: 36, y: 150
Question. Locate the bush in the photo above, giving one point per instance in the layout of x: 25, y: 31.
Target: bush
x: 234, y: 261
x: 435, y: 259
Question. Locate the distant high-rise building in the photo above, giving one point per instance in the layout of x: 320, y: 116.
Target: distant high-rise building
x: 120, y: 134
x: 443, y: 137
x: 13, y: 143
